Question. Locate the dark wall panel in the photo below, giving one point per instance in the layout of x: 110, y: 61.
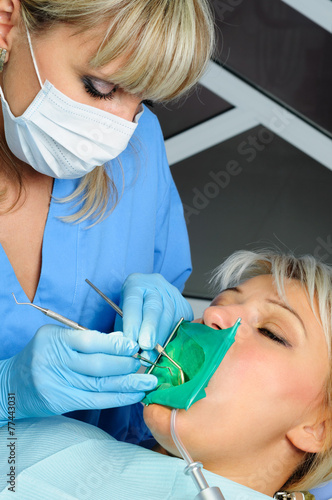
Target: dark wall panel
x: 237, y: 196
x: 280, y: 51
x: 200, y: 105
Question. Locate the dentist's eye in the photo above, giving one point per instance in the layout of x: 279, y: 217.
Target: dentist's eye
x: 99, y: 89
x: 272, y: 336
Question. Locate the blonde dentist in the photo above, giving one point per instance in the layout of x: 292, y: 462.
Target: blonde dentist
x: 74, y: 75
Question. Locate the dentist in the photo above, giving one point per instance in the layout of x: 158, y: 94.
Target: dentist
x: 86, y: 192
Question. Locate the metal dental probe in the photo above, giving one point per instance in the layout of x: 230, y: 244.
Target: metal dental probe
x: 157, y: 347
x: 163, y: 352
x: 167, y: 342
x: 70, y: 323
x: 52, y: 314
x: 109, y: 301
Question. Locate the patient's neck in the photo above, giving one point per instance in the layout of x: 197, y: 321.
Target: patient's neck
x: 265, y: 474
x: 159, y: 449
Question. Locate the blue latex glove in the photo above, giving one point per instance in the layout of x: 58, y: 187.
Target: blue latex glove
x: 62, y: 370
x: 151, y: 308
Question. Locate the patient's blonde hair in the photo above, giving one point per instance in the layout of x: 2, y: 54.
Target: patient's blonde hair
x: 166, y: 43
x: 316, y: 277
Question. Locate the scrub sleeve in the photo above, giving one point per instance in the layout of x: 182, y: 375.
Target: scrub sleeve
x: 145, y: 233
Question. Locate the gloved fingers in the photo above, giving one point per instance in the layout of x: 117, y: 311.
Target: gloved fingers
x: 132, y: 308
x: 118, y: 324
x: 91, y: 341
x: 101, y: 400
x: 153, y: 311
x: 186, y: 310
x: 151, y: 308
x: 164, y: 330
x: 101, y: 365
x: 150, y: 355
x: 168, y: 322
x: 122, y: 383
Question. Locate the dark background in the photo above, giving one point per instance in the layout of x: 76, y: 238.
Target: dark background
x: 275, y: 196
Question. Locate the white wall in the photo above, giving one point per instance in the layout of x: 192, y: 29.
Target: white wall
x: 198, y: 306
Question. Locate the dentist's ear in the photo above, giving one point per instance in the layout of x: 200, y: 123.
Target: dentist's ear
x: 9, y: 14
x: 309, y: 438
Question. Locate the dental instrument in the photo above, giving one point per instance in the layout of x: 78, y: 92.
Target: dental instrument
x: 194, y: 468
x: 199, y: 350
x: 109, y: 301
x: 53, y: 315
x: 162, y: 352
x: 157, y: 347
x: 72, y: 324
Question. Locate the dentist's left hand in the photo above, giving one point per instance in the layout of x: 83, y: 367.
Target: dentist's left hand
x: 62, y: 370
x: 151, y: 308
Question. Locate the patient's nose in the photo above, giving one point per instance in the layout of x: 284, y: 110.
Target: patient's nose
x: 221, y: 318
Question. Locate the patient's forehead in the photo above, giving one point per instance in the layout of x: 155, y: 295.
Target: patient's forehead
x: 264, y: 286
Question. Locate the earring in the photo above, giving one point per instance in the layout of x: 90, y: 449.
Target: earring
x: 3, y: 53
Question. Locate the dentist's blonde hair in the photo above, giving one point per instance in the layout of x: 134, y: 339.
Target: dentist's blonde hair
x: 316, y: 278
x: 166, y: 45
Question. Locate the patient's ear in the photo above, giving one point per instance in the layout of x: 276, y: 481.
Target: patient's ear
x: 9, y: 14
x: 309, y: 438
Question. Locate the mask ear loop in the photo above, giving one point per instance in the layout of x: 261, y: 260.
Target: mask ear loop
x: 34, y: 59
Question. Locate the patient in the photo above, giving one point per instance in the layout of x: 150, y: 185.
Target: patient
x: 264, y: 425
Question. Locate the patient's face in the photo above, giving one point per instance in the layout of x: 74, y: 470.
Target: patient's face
x: 269, y: 381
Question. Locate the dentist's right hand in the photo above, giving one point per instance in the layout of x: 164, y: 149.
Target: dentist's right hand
x: 62, y: 370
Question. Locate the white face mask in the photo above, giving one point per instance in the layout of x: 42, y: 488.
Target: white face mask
x: 62, y: 138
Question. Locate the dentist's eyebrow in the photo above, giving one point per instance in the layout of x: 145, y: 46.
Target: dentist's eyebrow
x: 285, y: 306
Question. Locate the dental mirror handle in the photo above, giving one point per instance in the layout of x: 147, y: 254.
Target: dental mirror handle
x: 64, y: 320
x: 53, y: 315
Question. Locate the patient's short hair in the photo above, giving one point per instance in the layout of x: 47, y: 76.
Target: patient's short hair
x: 316, y: 277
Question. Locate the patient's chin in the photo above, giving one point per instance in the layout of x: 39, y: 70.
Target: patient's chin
x: 158, y: 420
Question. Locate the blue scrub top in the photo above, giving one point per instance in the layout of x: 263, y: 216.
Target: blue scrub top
x: 145, y: 233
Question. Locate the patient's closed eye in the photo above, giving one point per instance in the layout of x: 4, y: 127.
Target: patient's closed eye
x: 273, y: 336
